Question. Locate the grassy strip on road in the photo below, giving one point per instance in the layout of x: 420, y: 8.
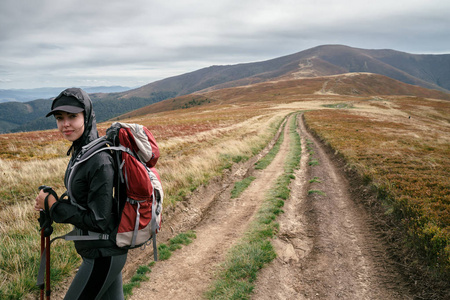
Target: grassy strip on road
x: 245, y: 259
x: 269, y: 157
x: 240, y: 186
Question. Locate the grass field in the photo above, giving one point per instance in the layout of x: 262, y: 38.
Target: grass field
x: 401, y: 145
x: 206, y: 141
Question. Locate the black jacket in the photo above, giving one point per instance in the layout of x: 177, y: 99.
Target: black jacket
x: 92, y: 187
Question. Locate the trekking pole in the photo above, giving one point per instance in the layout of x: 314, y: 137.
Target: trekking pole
x: 42, y: 217
x: 46, y: 231
x: 47, y: 267
x: 45, y: 222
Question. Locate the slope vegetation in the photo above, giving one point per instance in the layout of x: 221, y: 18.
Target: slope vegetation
x: 392, y: 149
x: 428, y: 71
x: 289, y: 90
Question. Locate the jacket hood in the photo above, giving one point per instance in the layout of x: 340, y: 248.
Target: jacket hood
x: 90, y: 125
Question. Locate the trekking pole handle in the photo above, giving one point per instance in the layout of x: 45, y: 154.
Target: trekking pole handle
x: 45, y: 220
x: 50, y: 191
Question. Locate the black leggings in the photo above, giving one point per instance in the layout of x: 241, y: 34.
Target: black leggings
x: 99, y: 278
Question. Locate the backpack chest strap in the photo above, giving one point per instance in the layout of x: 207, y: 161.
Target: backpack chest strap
x: 83, y: 235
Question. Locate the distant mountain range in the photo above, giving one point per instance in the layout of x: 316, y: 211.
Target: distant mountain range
x: 24, y: 95
x: 426, y: 71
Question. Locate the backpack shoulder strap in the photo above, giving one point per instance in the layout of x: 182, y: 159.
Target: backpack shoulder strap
x: 89, y: 150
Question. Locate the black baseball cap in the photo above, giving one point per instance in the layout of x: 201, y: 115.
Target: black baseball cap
x: 66, y: 103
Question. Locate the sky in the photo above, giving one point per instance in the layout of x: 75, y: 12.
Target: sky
x: 67, y: 43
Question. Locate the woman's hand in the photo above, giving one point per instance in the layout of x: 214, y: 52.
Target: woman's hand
x: 40, y: 201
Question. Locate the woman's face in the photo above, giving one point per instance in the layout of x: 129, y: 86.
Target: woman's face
x: 70, y: 125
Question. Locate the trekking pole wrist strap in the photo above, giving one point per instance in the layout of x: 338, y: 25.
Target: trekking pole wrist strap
x: 47, y: 209
x: 50, y: 191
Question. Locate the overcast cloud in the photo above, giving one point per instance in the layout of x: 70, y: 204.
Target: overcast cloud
x: 64, y: 43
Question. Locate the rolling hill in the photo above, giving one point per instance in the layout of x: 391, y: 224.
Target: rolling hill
x: 349, y: 84
x: 396, y: 68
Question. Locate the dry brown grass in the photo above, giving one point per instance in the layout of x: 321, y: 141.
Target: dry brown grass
x: 20, y: 179
x: 402, y: 146
x: 195, y: 144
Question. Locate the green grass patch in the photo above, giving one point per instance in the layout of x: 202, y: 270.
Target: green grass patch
x: 315, y: 179
x: 228, y: 160
x: 20, y: 259
x: 316, y: 192
x: 313, y: 162
x: 247, y: 257
x: 135, y: 281
x: 339, y: 105
x: 240, y: 186
x: 183, y: 238
x: 266, y: 160
x: 164, y: 253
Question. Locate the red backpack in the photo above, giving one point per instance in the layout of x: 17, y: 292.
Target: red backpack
x: 136, y: 154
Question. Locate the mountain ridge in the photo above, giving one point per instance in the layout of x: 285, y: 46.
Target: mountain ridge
x: 332, y: 60
x: 423, y: 70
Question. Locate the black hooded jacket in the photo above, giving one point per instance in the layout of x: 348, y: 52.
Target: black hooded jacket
x: 92, y: 188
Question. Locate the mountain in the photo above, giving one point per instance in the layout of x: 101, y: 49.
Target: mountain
x: 396, y: 68
x: 429, y: 71
x: 24, y: 95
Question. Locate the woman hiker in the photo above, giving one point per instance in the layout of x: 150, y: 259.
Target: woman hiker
x: 100, y: 274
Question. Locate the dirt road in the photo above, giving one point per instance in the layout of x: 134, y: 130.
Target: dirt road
x: 221, y: 222
x: 326, y: 246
